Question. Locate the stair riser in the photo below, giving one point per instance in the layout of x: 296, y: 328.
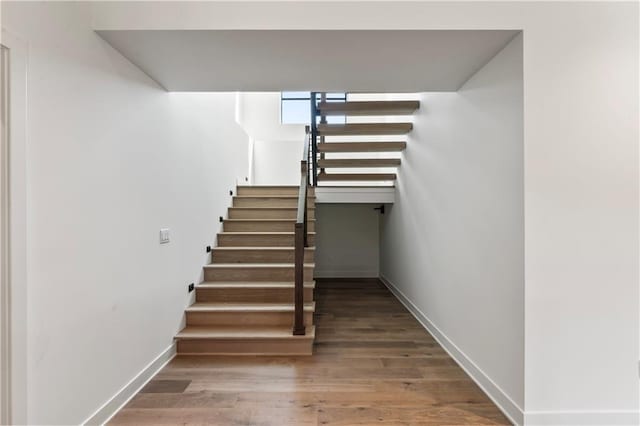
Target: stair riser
x: 286, y: 255
x: 268, y: 202
x: 246, y: 347
x: 264, y: 226
x: 271, y: 190
x: 250, y: 295
x: 245, y: 318
x: 285, y: 274
x: 275, y: 213
x: 260, y: 240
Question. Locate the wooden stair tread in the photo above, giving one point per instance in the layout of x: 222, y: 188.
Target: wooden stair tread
x: 265, y: 220
x: 252, y: 284
x: 256, y: 265
x: 260, y: 239
x: 356, y: 186
x: 259, y: 248
x: 260, y: 233
x: 270, y: 190
x: 271, y: 208
x: 356, y: 176
x: 243, y: 332
x: 264, y: 225
x: 361, y: 146
x: 368, y: 108
x: 269, y: 200
x: 261, y: 196
x: 277, y: 212
x: 247, y: 307
x: 358, y: 162
x: 364, y: 129
x: 269, y: 186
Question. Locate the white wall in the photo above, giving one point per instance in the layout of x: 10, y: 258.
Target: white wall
x: 277, y: 162
x: 581, y: 215
x: 453, y: 243
x: 259, y: 115
x: 17, y: 271
x: 277, y: 147
x: 582, y: 334
x: 112, y: 158
x: 347, y: 242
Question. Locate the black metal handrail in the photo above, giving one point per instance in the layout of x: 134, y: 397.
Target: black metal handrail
x: 300, y: 239
x: 314, y: 138
x: 315, y: 134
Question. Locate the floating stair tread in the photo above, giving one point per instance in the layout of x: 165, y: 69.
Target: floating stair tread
x: 361, y: 146
x: 356, y: 176
x: 358, y: 162
x: 247, y: 307
x: 252, y: 284
x: 364, y: 129
x: 244, y: 332
x: 368, y: 108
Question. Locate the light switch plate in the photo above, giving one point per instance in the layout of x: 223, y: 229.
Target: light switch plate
x: 164, y: 235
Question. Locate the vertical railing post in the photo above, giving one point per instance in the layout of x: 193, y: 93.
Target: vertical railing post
x: 307, y: 148
x: 298, y: 321
x: 306, y: 239
x: 323, y: 120
x: 300, y: 241
x: 314, y: 138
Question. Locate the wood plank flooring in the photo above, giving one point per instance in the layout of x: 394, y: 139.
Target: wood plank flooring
x: 372, y: 364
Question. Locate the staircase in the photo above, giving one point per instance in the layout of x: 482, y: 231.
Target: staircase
x: 246, y: 303
x: 332, y: 166
x: 257, y: 293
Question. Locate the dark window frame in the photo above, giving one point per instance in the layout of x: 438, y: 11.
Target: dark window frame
x: 284, y: 98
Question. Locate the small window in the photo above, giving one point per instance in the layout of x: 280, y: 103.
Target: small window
x: 295, y: 107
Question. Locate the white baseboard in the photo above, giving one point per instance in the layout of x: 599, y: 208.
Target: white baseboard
x: 493, y: 391
x: 128, y: 391
x: 582, y: 418
x: 344, y: 274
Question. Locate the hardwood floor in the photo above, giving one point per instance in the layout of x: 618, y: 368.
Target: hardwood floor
x: 372, y: 364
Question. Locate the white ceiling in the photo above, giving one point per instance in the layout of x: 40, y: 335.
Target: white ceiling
x: 335, y: 60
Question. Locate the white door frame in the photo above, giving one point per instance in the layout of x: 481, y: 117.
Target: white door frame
x: 13, y: 269
x: 5, y: 297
